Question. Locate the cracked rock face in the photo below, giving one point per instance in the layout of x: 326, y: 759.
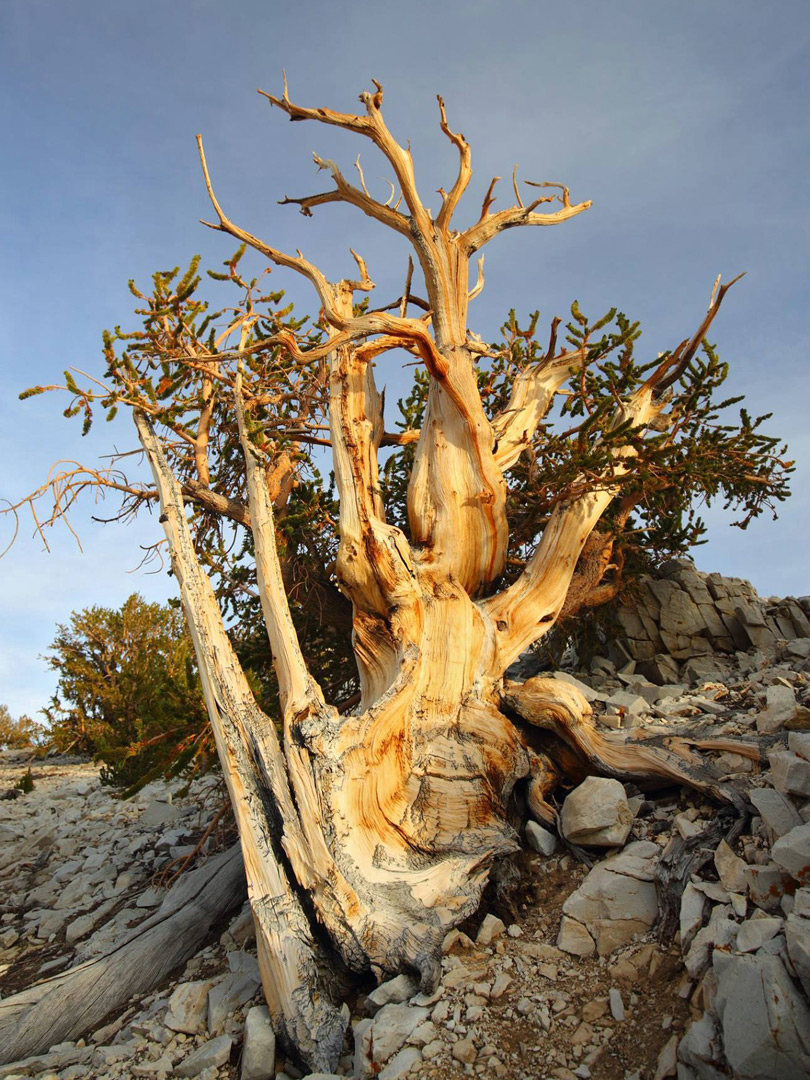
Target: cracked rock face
x: 684, y: 615
x: 765, y: 1021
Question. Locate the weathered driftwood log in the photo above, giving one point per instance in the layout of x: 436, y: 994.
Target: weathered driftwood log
x: 75, y: 1002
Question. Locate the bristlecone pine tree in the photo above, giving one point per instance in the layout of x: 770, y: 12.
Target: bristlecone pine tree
x: 368, y: 832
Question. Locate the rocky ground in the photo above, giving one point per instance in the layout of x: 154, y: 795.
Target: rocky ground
x: 575, y: 981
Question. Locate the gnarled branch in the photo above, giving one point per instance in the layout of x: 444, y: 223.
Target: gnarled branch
x: 532, y: 393
x: 346, y: 192
x: 373, y: 127
x: 450, y: 201
x: 489, y: 225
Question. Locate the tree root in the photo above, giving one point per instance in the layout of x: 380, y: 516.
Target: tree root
x: 683, y: 858
x: 560, y: 709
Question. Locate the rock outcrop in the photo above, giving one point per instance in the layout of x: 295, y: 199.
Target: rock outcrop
x: 682, y: 614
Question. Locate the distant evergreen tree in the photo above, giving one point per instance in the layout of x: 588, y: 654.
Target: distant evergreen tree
x: 128, y: 691
x: 17, y: 734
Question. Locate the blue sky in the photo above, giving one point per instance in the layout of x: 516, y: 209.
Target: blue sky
x: 688, y: 125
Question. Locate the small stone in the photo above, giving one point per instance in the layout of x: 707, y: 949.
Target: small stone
x: 242, y: 928
x: 721, y: 931
x: 423, y: 1034
x: 492, y: 927
x: 259, y: 1047
x: 188, y: 1007
x: 616, y: 1004
x: 210, y: 1055
x: 632, y: 704
x: 455, y: 938
x: 755, y: 932
x: 539, y: 839
x: 595, y: 1010
x: 596, y: 813
x: 465, y: 1051
x: 401, y: 1064
x: 778, y: 812
x: 158, y: 813
x: 395, y: 990
x: 799, y: 742
x: 574, y: 938
x: 693, y: 910
x: 150, y: 898
x: 686, y: 827
x: 244, y: 963
x: 161, y: 1068
x: 386, y: 1034
x: 226, y: 996
x: 791, y: 773
x: 433, y: 1049
x: 587, y: 691
x: 792, y: 852
x: 500, y: 985
x: 780, y: 708
x: 730, y: 868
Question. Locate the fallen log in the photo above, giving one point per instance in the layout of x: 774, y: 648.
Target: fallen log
x: 73, y: 1003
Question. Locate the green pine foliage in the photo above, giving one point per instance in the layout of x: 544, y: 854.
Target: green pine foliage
x: 20, y: 734
x: 26, y: 782
x: 128, y: 692
x: 701, y: 454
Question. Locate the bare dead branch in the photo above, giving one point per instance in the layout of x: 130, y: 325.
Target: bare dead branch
x: 673, y: 366
x: 371, y: 126
x: 346, y: 192
x: 451, y: 201
x: 365, y: 284
x: 478, y: 288
x: 489, y: 199
x: 297, y: 263
x: 406, y: 292
x: 489, y: 225
x: 515, y: 188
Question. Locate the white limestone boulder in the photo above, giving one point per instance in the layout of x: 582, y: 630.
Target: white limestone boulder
x: 597, y: 814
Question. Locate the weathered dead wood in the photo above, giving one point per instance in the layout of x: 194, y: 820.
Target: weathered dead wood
x: 562, y: 710
x: 276, y: 849
x: 684, y: 857
x: 75, y: 1002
